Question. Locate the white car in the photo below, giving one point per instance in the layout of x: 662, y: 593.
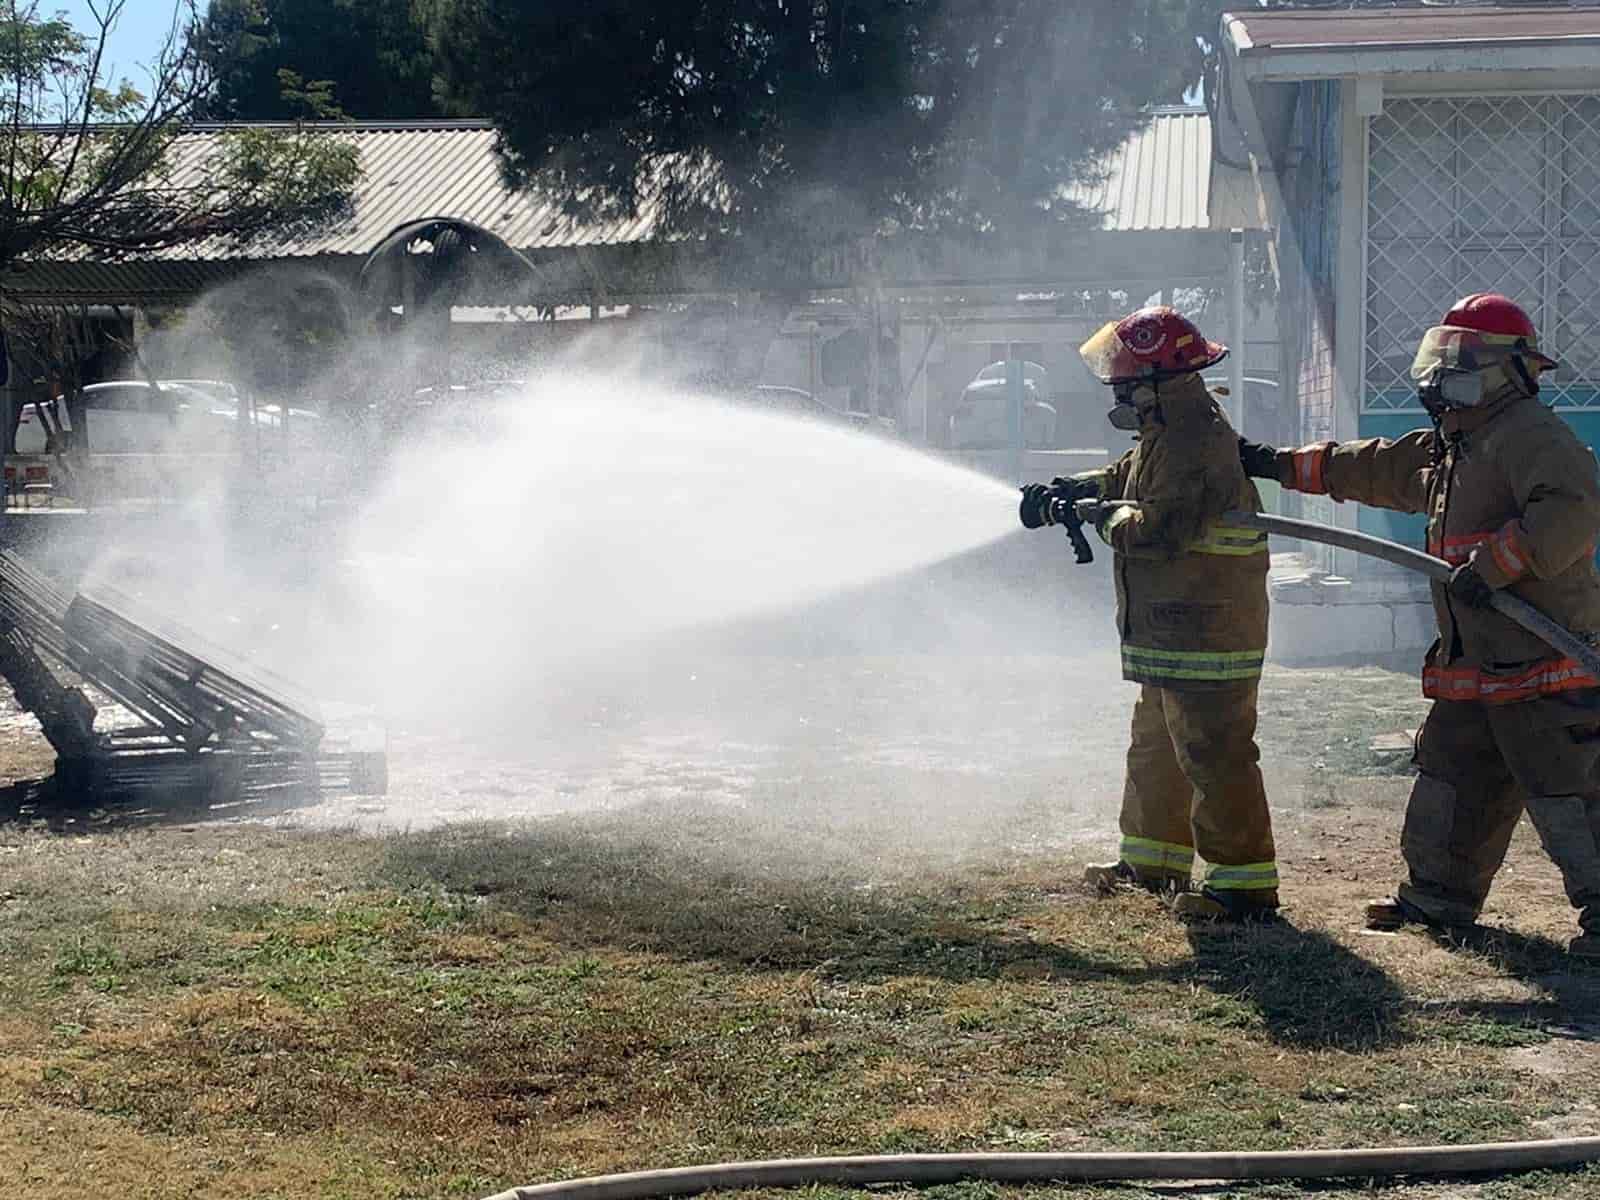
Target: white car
x: 982, y: 417
x: 129, y: 416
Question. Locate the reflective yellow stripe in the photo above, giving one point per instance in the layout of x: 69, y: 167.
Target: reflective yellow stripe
x: 1243, y: 877
x: 1156, y: 856
x: 1231, y: 539
x: 1154, y: 666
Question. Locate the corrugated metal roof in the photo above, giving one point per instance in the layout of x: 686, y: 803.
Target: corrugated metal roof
x: 410, y: 171
x: 1158, y: 179
x: 1257, y: 31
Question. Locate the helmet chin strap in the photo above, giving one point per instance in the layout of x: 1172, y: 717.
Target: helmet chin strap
x: 1525, y: 375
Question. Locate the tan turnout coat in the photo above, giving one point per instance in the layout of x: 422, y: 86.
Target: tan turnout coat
x: 1508, y: 487
x: 1191, y: 591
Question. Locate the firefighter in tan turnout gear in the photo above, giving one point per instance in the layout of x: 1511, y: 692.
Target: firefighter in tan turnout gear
x: 1192, y: 614
x: 1513, y: 500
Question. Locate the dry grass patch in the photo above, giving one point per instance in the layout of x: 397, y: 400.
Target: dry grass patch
x: 446, y: 1014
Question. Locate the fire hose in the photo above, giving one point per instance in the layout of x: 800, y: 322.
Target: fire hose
x: 1504, y: 602
x: 1436, y: 569
x: 926, y: 1170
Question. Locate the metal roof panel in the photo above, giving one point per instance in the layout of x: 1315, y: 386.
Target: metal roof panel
x: 1157, y: 179
x: 410, y: 171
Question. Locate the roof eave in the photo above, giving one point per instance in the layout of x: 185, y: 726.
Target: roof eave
x: 1284, y: 64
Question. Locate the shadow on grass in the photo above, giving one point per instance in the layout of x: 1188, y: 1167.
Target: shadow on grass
x: 1572, y: 986
x: 729, y: 886
x: 720, y: 886
x: 64, y: 807
x: 1308, y: 991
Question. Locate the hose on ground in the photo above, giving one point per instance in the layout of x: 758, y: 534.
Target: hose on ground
x: 924, y: 1170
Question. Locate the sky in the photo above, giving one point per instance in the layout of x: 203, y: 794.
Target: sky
x: 137, y: 39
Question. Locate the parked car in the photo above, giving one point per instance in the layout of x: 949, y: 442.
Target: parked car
x: 801, y: 403
x: 129, y: 416
x: 981, y: 419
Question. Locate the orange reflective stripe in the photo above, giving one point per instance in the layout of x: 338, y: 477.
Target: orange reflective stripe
x: 1544, y: 678
x: 1445, y: 683
x: 1505, y: 544
x: 1457, y: 548
x: 1309, y: 469
x: 1510, y: 555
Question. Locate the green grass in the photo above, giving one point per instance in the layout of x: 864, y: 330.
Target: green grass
x: 449, y: 1013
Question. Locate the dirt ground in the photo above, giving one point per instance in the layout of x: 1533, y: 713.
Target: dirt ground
x: 753, y: 906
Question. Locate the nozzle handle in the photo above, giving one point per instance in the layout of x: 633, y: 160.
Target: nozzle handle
x: 1081, y: 548
x: 1065, y: 513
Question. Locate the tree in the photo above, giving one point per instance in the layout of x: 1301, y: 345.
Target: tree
x: 95, y: 166
x: 815, y: 120
x: 280, y: 59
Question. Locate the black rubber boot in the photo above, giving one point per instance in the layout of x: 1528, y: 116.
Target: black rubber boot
x: 1107, y: 878
x: 1394, y: 913
x: 1226, y: 907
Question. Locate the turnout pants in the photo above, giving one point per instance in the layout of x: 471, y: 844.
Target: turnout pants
x: 1193, y: 783
x: 1479, y: 766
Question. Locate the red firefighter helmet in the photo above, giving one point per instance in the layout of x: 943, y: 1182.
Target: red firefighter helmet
x: 1152, y: 343
x: 1490, y: 312
x: 1479, y: 331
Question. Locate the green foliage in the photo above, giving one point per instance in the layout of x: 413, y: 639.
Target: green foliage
x: 283, y: 59
x: 95, y: 163
x: 262, y: 171
x: 31, y: 48
x: 826, y: 119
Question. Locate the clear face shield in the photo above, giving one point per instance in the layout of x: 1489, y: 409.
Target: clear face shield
x: 1456, y: 369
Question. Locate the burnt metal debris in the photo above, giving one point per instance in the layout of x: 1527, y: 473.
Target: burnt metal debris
x: 193, y: 718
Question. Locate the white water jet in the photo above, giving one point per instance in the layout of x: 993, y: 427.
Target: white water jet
x: 598, y: 514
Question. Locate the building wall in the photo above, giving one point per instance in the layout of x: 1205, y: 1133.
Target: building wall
x: 1479, y: 191
x: 1314, y: 197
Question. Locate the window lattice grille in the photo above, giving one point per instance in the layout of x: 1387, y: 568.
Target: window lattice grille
x: 1475, y: 194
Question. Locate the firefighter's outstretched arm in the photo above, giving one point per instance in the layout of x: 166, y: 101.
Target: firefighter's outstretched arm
x: 1377, y: 471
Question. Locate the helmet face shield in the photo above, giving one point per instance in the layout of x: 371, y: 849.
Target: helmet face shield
x: 1152, y: 343
x: 1108, y: 358
x: 1449, y: 349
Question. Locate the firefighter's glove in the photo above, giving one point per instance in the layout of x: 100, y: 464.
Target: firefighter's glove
x: 1103, y: 515
x: 1073, y: 488
x: 1468, y: 587
x: 1259, y: 460
x: 1034, y: 511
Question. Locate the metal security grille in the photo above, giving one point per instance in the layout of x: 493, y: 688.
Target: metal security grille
x: 1483, y: 193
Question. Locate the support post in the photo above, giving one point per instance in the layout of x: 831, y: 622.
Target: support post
x: 1236, y: 328
x: 1014, y: 402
